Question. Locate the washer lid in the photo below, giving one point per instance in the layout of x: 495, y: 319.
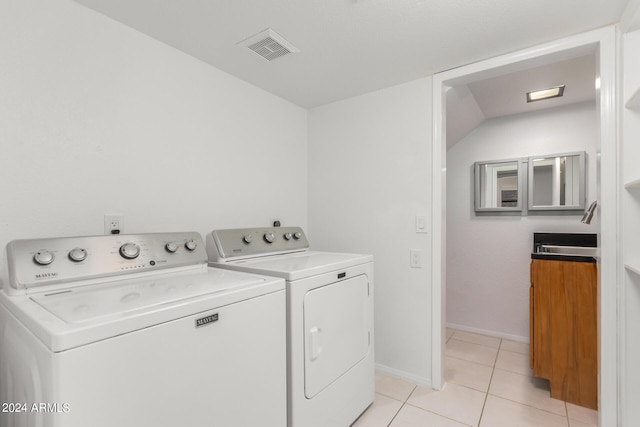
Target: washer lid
x: 78, y: 316
x: 135, y: 296
x: 301, y: 265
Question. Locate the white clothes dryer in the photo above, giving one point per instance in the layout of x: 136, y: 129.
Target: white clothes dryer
x: 330, y: 369
x: 137, y: 330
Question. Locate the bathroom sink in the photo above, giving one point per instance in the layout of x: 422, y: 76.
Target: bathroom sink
x: 568, y: 250
x: 579, y: 247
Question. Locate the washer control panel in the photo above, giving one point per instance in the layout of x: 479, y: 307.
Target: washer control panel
x: 39, y: 262
x: 248, y: 242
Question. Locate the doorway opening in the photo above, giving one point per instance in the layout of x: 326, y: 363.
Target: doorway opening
x: 601, y: 45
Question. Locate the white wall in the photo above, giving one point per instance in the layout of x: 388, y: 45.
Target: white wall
x: 367, y: 180
x: 488, y: 257
x: 463, y: 114
x: 98, y: 118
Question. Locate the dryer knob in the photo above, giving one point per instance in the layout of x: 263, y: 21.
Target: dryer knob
x: 248, y: 238
x: 171, y: 247
x: 287, y: 236
x: 43, y: 257
x: 77, y: 255
x: 269, y: 237
x: 191, y: 245
x: 297, y: 235
x: 129, y: 250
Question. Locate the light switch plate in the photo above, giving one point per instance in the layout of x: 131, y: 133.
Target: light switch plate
x: 421, y: 224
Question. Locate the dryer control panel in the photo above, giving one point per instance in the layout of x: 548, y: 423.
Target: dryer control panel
x: 224, y: 245
x: 38, y: 262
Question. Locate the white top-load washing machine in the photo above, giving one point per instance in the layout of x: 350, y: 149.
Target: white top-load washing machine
x: 329, y: 319
x: 137, y: 331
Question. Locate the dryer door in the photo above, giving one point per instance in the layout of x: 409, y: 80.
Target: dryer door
x: 336, y: 325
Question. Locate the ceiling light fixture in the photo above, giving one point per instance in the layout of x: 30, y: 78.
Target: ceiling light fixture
x: 539, y: 95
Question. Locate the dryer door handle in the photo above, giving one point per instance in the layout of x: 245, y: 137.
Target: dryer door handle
x: 315, y: 343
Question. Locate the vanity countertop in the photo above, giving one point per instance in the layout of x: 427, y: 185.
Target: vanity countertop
x: 574, y: 247
x: 561, y: 257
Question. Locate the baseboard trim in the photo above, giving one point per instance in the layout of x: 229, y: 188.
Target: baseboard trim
x: 416, y: 379
x: 496, y: 334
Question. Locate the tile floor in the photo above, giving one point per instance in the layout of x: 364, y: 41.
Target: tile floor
x: 488, y: 384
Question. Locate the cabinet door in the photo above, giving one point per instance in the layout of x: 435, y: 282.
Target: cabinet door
x: 580, y: 282
x: 564, y: 336
x: 549, y: 329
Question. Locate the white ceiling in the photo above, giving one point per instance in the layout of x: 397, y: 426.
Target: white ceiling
x: 504, y: 95
x: 471, y: 104
x: 350, y: 47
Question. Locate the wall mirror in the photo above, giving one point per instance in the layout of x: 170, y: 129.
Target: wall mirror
x: 557, y: 182
x: 499, y: 185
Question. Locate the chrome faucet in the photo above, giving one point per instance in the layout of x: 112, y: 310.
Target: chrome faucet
x: 586, y: 218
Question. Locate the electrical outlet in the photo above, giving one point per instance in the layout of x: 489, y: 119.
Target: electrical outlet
x: 113, y: 224
x: 416, y: 258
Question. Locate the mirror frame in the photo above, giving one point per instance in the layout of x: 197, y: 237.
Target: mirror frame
x: 521, y: 187
x: 582, y: 155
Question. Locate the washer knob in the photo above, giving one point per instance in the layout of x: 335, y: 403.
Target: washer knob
x: 248, y: 238
x: 77, y: 254
x: 191, y: 245
x: 297, y: 235
x: 171, y: 247
x: 130, y: 250
x: 269, y: 237
x: 44, y: 257
x: 287, y: 236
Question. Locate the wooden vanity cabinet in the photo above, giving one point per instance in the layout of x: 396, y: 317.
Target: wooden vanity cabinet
x: 564, y: 329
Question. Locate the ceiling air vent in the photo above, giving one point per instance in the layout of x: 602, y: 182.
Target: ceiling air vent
x: 269, y: 45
